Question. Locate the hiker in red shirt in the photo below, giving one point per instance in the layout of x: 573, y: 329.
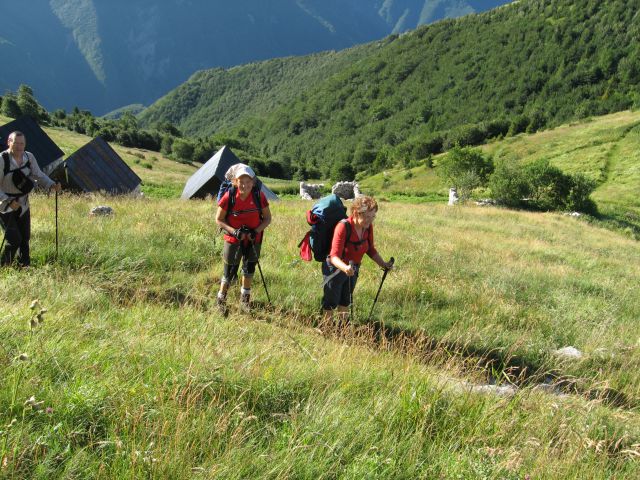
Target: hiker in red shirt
x: 243, y: 224
x: 346, y: 255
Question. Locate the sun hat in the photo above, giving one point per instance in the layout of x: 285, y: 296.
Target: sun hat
x: 238, y: 170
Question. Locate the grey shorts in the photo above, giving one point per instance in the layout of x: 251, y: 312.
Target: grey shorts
x: 233, y: 253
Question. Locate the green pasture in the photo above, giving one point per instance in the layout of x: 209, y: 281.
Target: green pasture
x: 134, y: 374
x: 604, y: 148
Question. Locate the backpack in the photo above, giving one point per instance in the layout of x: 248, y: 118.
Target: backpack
x: 323, y: 217
x: 20, y: 181
x: 227, y: 186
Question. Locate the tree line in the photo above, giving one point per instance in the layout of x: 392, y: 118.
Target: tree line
x: 125, y: 130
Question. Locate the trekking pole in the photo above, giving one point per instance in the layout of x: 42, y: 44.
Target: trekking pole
x: 253, y: 245
x: 384, y: 275
x: 56, y: 225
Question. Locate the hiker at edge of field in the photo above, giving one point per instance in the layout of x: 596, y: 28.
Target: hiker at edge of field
x: 19, y: 173
x: 352, y: 238
x: 243, y: 220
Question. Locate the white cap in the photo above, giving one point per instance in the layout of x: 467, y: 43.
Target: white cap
x: 238, y: 170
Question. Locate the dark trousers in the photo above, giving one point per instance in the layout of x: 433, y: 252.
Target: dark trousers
x: 17, y: 231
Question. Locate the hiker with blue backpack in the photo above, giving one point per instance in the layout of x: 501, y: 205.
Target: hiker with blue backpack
x: 352, y: 239
x: 243, y: 214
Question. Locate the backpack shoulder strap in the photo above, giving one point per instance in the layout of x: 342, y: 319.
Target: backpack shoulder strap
x: 7, y: 166
x: 232, y: 199
x: 347, y: 226
x: 257, y: 198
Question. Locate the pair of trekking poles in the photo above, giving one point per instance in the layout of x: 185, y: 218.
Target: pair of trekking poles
x: 255, y: 252
x: 4, y: 238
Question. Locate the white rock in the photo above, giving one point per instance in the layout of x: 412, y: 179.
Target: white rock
x: 569, y: 352
x: 346, y: 190
x: 453, y: 196
x: 500, y: 390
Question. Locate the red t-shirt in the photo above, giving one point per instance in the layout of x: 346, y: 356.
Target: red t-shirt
x: 352, y: 252
x: 245, y: 212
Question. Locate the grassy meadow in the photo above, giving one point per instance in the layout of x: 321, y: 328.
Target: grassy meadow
x: 132, y: 373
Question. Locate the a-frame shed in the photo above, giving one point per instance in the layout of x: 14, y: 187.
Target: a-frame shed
x: 47, y: 153
x: 207, y: 179
x: 96, y: 167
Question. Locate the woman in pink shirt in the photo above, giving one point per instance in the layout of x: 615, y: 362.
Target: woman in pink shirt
x: 346, y: 255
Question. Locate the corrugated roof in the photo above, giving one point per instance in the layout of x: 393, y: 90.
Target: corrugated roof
x: 97, y: 167
x: 207, y: 179
x: 38, y: 142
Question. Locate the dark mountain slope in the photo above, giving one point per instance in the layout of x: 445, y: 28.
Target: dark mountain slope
x: 101, y: 55
x: 520, y: 67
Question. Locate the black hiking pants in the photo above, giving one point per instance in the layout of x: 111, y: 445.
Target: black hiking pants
x: 17, y: 231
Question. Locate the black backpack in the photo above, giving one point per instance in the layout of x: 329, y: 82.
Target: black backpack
x: 22, y: 183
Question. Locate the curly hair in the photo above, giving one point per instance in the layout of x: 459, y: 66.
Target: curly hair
x: 363, y: 204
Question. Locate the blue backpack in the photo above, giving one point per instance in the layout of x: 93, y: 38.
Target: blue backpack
x: 323, y: 217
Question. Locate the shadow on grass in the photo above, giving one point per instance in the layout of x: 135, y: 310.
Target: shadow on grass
x: 498, y: 365
x: 627, y: 222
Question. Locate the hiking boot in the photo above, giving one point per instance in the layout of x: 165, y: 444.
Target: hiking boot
x: 221, y: 303
x: 245, y: 302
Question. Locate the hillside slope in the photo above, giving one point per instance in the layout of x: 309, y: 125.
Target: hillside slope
x: 606, y: 149
x: 520, y: 67
x: 87, y: 53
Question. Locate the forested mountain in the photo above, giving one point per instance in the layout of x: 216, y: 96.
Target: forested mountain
x: 524, y: 66
x: 102, y: 55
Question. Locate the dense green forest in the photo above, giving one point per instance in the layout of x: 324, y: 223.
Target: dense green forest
x: 522, y: 67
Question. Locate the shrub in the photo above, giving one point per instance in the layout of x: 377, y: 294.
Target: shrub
x: 10, y: 106
x: 548, y: 186
x: 183, y: 150
x: 463, y: 136
x: 508, y: 184
x: 578, y: 199
x: 342, y: 171
x: 541, y: 186
x: 465, y: 169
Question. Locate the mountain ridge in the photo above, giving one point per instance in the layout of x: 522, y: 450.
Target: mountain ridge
x: 88, y: 54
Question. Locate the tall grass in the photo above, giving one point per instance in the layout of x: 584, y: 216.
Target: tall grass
x: 140, y: 377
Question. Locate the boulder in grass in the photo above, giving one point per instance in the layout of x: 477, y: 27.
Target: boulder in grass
x: 101, y: 211
x: 570, y: 353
